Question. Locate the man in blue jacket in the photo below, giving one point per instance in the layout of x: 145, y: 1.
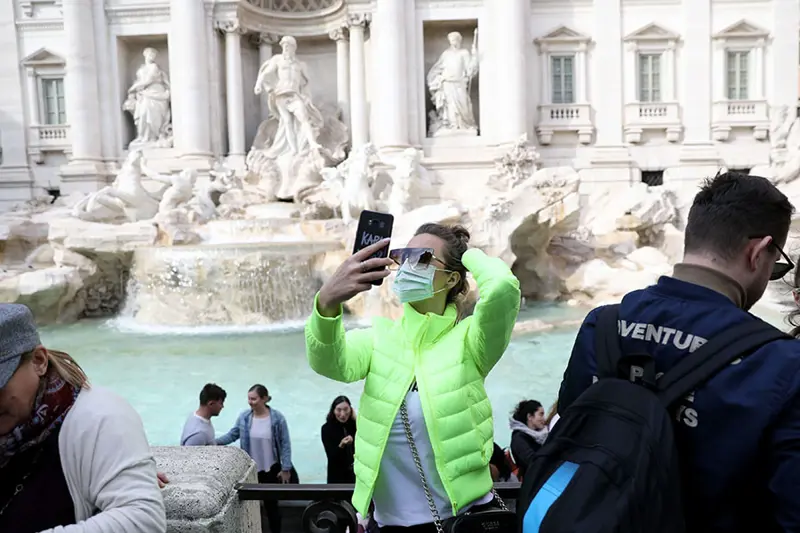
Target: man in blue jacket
x: 740, y: 432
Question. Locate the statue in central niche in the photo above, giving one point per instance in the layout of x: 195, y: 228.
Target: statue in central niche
x: 148, y: 102
x: 285, y: 80
x: 298, y: 139
x: 450, y: 83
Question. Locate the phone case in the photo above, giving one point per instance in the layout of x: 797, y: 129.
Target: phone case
x: 373, y: 227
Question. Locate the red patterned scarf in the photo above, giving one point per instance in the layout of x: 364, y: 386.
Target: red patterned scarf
x: 53, y: 401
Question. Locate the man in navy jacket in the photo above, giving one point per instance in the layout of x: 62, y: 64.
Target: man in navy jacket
x: 740, y: 432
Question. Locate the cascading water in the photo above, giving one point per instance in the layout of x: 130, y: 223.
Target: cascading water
x: 236, y: 283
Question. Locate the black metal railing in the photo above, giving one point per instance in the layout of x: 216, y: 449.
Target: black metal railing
x: 329, y: 510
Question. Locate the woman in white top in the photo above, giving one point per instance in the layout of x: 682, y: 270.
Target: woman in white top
x: 264, y: 435
x: 73, y: 458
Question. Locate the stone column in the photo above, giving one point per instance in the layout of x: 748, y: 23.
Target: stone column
x: 389, y: 61
x: 265, y: 43
x: 608, y: 53
x: 33, y: 96
x: 188, y: 62
x: 697, y: 70
x: 342, y: 72
x: 759, y: 78
x: 783, y: 52
x: 583, y: 73
x: 85, y: 171
x: 669, y: 72
x: 234, y: 88
x: 631, y: 72
x: 511, y: 40
x: 359, y: 121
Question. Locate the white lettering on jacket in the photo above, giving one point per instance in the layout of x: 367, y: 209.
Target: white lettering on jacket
x: 660, y: 335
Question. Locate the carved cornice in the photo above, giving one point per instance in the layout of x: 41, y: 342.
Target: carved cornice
x: 338, y: 34
x: 304, y: 24
x: 265, y: 38
x: 40, y: 25
x: 28, y: 6
x: 141, y: 13
x: 358, y: 19
x: 230, y: 26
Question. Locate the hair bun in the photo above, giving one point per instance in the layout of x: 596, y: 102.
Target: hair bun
x: 461, y: 233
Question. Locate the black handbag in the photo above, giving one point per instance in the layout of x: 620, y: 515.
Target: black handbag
x: 490, y: 521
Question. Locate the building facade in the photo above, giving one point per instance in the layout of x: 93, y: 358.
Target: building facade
x: 625, y: 90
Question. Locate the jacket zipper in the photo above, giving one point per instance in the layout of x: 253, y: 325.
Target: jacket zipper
x: 430, y: 428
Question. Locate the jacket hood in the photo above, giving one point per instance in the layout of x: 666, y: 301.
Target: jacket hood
x: 539, y: 435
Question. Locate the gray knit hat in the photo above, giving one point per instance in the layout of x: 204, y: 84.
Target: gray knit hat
x: 18, y: 336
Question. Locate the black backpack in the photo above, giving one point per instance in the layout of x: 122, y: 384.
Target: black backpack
x: 610, y: 465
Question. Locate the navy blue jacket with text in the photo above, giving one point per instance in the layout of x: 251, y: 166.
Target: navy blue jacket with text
x: 740, y: 432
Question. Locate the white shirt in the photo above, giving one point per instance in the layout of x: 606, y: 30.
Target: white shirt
x: 261, y: 443
x: 399, y: 496
x: 108, y: 464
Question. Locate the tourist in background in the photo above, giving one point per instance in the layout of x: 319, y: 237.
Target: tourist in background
x: 71, y: 456
x: 338, y: 436
x: 198, y: 430
x: 263, y: 433
x: 528, y: 433
x: 424, y: 374
x: 738, y: 434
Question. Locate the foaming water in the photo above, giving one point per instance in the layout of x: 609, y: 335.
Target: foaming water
x: 229, y: 286
x: 126, y: 324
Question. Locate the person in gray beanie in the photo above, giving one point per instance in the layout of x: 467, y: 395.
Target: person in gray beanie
x: 73, y: 458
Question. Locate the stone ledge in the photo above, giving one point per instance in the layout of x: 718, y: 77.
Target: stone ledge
x: 200, y: 497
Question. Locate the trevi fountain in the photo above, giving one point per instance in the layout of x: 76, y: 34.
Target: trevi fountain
x: 163, y: 280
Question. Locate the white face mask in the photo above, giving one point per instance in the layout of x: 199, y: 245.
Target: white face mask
x: 414, y: 284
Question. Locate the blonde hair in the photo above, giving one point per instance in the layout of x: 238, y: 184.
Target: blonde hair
x: 65, y: 366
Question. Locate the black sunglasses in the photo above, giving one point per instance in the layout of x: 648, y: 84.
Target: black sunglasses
x: 415, y: 257
x: 779, y: 269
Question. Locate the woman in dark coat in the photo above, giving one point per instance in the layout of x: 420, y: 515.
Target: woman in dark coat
x: 338, y: 436
x: 528, y: 433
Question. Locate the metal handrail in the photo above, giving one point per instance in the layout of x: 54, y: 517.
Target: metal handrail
x: 318, y: 492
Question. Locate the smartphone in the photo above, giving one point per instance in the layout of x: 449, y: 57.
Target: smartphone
x: 373, y: 227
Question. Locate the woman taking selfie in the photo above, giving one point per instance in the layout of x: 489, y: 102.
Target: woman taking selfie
x: 338, y: 438
x: 425, y: 422
x: 72, y: 457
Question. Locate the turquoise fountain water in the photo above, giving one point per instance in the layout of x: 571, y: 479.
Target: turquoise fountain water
x: 162, y: 373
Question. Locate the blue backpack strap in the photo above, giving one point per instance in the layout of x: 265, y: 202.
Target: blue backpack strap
x: 695, y: 369
x: 608, y: 352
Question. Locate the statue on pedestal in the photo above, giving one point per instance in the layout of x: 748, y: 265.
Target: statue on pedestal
x: 149, y: 103
x: 298, y: 139
x: 450, y: 83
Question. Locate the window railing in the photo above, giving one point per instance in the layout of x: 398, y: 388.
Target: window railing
x: 328, y: 508
x: 565, y: 118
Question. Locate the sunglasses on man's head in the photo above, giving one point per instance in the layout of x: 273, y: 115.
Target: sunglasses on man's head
x: 780, y: 268
x: 415, y: 257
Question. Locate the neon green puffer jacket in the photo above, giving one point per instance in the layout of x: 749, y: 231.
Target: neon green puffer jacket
x: 450, y: 361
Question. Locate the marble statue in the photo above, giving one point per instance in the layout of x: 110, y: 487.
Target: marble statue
x: 284, y: 79
x: 450, y: 83
x: 780, y: 125
x: 352, y: 181
x: 409, y: 180
x: 179, y: 190
x: 125, y: 199
x: 299, y: 138
x: 149, y: 103
x: 514, y: 166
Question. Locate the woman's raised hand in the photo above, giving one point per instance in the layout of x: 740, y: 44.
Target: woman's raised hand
x: 353, y: 276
